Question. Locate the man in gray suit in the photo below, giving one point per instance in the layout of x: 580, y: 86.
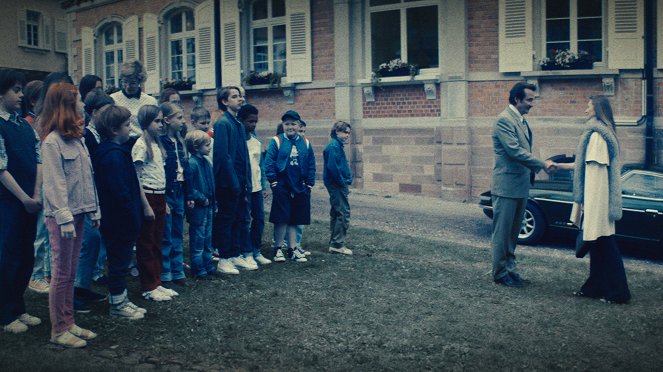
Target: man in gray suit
x: 513, y: 173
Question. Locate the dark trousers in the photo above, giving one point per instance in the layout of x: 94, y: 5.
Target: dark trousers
x: 339, y: 215
x: 607, y: 278
x: 118, y: 251
x: 148, y: 246
x: 254, y: 224
x: 507, y: 220
x: 18, y: 229
x: 228, y: 222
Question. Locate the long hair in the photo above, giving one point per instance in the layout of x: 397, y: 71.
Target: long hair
x: 52, y: 78
x: 60, y: 112
x: 31, y: 93
x: 169, y: 110
x: 603, y: 112
x: 146, y: 116
x: 87, y: 84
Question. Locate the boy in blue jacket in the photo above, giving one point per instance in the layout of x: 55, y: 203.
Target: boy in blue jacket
x: 290, y: 170
x: 337, y: 177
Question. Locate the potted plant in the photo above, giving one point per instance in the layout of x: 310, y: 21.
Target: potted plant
x: 395, y: 67
x: 179, y: 84
x: 262, y: 78
x: 564, y: 59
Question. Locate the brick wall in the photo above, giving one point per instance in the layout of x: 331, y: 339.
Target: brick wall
x: 482, y: 35
x: 402, y: 102
x: 322, y: 24
x: 311, y: 104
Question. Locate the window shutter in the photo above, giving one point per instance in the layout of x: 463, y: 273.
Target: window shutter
x: 47, y: 34
x: 22, y: 27
x: 61, y: 35
x: 230, y: 58
x: 515, y: 36
x: 298, y: 34
x: 206, y: 61
x: 151, y: 52
x: 659, y: 37
x: 87, y: 50
x: 130, y: 37
x: 625, y: 34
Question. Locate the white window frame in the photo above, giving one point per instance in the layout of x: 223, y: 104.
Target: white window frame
x: 116, y: 47
x: 182, y: 36
x: 269, y: 23
x: 402, y: 6
x: 34, y: 28
x: 573, y: 30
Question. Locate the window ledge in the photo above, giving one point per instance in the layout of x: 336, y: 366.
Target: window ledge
x: 427, y: 80
x: 607, y: 76
x: 288, y: 90
x: 34, y: 49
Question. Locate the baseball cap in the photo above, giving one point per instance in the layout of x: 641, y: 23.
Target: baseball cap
x: 294, y: 115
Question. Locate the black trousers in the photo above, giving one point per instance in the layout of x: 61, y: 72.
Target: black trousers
x: 607, y: 278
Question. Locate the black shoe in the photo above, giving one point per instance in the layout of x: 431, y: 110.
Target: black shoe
x: 81, y: 306
x: 181, y: 282
x: 507, y: 281
x: 88, y: 295
x: 519, y: 279
x: 102, y: 280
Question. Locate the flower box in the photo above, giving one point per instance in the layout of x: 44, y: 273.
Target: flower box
x: 565, y: 59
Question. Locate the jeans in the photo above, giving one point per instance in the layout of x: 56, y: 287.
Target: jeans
x: 65, y: 253
x: 100, y: 268
x: 42, y: 251
x: 339, y: 215
x: 229, y: 221
x: 200, y: 244
x: 251, y: 234
x: 148, y: 246
x: 87, y: 261
x: 172, y: 253
x: 17, y: 235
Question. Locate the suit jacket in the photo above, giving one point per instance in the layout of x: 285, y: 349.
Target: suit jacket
x: 514, y: 162
x: 230, y: 154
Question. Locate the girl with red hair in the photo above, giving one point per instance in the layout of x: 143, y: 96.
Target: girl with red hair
x: 70, y: 195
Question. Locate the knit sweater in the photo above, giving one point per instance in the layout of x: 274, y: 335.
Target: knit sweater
x: 614, y: 169
x: 133, y: 105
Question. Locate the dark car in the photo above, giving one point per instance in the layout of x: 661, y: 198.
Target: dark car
x: 550, y: 201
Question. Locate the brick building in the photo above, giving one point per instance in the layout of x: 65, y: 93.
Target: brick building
x: 427, y: 134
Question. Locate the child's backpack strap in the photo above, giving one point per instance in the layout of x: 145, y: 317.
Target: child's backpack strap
x: 277, y: 139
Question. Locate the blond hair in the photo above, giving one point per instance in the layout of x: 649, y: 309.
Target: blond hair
x: 195, y: 139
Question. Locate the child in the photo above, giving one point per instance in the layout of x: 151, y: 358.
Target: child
x: 200, y: 119
x: 177, y: 173
x: 255, y: 223
x: 200, y: 216
x: 231, y: 171
x: 20, y: 163
x: 32, y: 91
x: 337, y: 177
x: 290, y: 170
x: 69, y: 197
x: 170, y: 95
x: 120, y: 200
x: 148, y: 157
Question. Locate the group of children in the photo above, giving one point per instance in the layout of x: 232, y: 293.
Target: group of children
x: 121, y: 178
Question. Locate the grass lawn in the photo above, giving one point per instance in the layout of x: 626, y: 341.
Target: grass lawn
x: 399, y: 303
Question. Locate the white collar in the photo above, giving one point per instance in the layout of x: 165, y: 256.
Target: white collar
x: 5, y: 115
x: 515, y: 110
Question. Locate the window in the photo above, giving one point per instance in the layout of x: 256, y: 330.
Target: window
x: 182, y: 45
x: 113, y: 54
x: 33, y: 20
x: 576, y: 25
x: 644, y: 185
x: 405, y: 29
x: 268, y: 37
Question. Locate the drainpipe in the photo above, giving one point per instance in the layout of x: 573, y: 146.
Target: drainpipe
x: 650, y: 61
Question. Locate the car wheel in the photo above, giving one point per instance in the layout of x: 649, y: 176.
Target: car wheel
x: 534, y: 225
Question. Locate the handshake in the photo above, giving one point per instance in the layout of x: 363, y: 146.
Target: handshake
x: 550, y: 166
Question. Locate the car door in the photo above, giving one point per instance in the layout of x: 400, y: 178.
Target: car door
x: 642, y: 196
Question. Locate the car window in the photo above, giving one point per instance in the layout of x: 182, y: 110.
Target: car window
x: 646, y: 185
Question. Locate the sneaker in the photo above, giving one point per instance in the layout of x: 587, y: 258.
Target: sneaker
x: 296, y: 256
x: 29, y: 320
x: 250, y: 260
x: 139, y: 309
x: 15, y: 327
x: 342, y: 250
x: 124, y: 310
x: 226, y: 266
x: 81, y: 306
x: 68, y: 339
x: 167, y: 291
x: 39, y: 285
x: 278, y: 255
x: 83, y: 333
x: 88, y: 295
x: 262, y: 260
x: 156, y: 295
x: 303, y: 251
x: 240, y: 262
x: 215, y: 257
